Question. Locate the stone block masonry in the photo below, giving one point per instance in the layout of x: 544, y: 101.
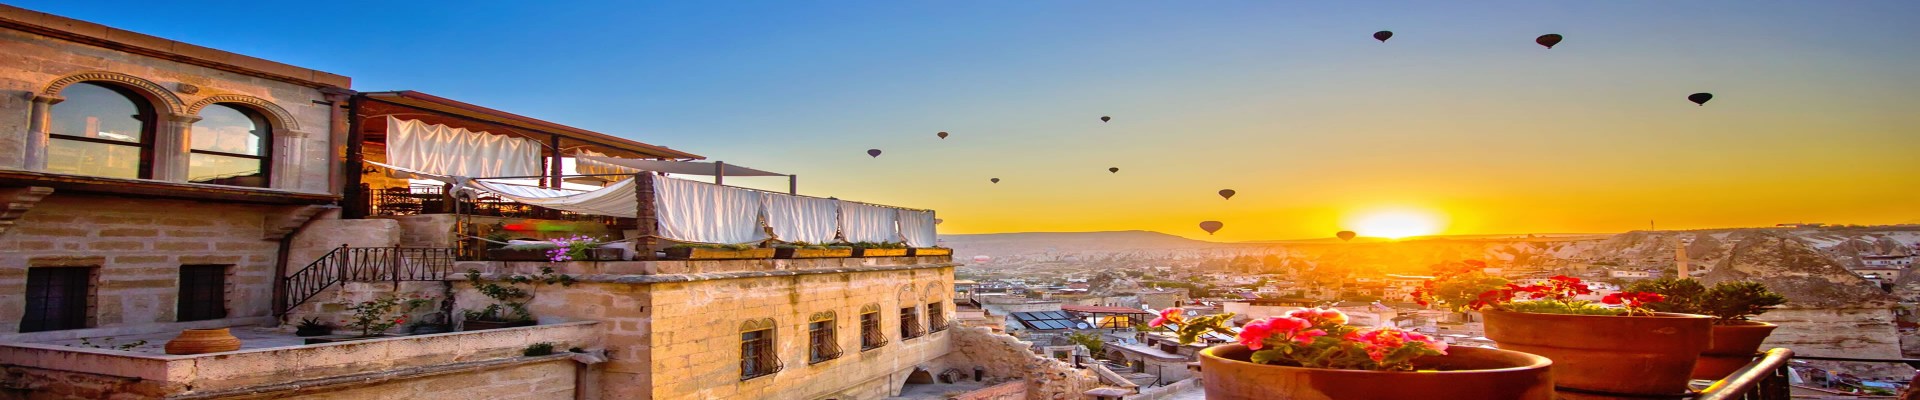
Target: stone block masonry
x: 678, y: 336
x: 138, y: 247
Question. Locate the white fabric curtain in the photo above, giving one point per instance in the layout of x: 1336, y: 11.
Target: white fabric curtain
x: 802, y: 219
x: 443, y: 150
x: 917, y: 227
x: 707, y: 213
x: 868, y: 223
x: 584, y: 164
x: 617, y: 200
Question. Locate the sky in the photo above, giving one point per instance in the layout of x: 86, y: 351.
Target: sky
x: 1459, y: 124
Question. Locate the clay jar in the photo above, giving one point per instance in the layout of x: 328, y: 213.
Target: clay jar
x: 197, y: 341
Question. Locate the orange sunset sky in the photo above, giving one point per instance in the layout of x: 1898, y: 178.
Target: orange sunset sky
x: 1460, y: 122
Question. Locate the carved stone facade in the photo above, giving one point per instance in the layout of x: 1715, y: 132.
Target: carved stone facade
x: 41, y: 65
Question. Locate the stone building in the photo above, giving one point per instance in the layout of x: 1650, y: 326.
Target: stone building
x: 150, y: 184
x: 154, y: 186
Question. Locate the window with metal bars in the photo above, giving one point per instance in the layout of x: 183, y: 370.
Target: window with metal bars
x: 203, y: 293
x: 870, y: 335
x: 57, y: 298
x: 757, y: 355
x: 936, y: 317
x: 821, y: 342
x: 910, y: 323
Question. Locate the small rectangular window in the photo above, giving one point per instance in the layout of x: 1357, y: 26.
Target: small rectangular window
x: 757, y: 355
x: 870, y: 335
x: 821, y: 342
x: 936, y: 318
x: 203, y: 292
x: 57, y: 298
x: 910, y: 323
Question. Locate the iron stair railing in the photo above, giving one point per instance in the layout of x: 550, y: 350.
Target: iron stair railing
x: 366, y: 264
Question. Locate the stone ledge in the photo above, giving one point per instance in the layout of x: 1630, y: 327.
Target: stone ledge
x: 671, y: 278
x: 371, y: 378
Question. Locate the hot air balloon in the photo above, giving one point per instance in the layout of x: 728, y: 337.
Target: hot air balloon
x: 1105, y: 118
x: 873, y: 152
x: 1114, y: 169
x: 943, y: 135
x: 1211, y: 226
x: 995, y: 180
x: 1700, y: 98
x: 1344, y: 235
x: 1548, y: 40
x: 1382, y: 35
x: 1226, y: 194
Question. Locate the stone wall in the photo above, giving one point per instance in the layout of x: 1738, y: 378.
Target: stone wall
x: 548, y: 380
x: 1840, y: 332
x: 1008, y: 357
x: 35, y: 61
x: 330, y: 305
x: 327, y: 232
x: 672, y: 336
x: 43, y: 368
x: 138, y: 246
x: 1016, y: 390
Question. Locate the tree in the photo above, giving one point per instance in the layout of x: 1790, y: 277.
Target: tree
x: 1090, y: 341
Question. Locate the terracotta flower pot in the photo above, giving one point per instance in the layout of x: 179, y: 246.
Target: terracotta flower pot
x: 1640, y: 355
x: 1732, y: 347
x: 197, y: 341
x: 1465, y: 373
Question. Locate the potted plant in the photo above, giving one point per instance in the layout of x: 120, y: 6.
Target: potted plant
x: 1620, y: 348
x: 716, y: 252
x: 373, y: 318
x: 510, y: 300
x: 571, y: 248
x: 312, y: 327
x: 929, y: 251
x: 1311, y: 354
x: 805, y: 250
x: 879, y: 249
x: 1735, y: 339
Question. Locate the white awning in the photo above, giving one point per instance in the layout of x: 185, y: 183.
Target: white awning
x: 443, y: 150
x: 677, y: 167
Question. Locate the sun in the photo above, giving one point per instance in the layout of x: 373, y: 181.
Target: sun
x: 1396, y: 224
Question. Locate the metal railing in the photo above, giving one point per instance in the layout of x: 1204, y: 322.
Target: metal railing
x: 1763, y: 379
x: 366, y: 264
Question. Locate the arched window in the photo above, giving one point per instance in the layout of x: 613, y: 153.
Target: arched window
x: 230, y: 146
x: 101, y: 130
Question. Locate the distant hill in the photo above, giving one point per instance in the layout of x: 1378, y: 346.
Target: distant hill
x: 1006, y: 244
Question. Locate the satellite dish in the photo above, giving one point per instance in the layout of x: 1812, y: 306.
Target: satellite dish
x: 1083, y: 325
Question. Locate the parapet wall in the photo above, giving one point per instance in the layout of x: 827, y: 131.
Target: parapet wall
x: 183, y: 375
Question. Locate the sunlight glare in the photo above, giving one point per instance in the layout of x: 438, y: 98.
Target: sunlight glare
x: 1396, y: 224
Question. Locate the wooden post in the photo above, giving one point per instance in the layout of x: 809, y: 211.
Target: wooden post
x: 646, y: 216
x: 553, y: 167
x: 719, y: 172
x: 793, y: 185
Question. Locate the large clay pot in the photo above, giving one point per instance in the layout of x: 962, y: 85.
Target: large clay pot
x: 1733, y: 346
x: 1465, y: 373
x: 1639, y: 355
x: 197, y: 341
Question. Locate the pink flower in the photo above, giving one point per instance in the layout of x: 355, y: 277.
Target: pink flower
x: 1168, y: 315
x: 1306, y: 337
x: 1254, y: 334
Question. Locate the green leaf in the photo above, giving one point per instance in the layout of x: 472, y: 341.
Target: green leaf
x: 1267, y: 356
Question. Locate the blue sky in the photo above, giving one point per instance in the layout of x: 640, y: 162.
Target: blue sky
x: 1291, y: 104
